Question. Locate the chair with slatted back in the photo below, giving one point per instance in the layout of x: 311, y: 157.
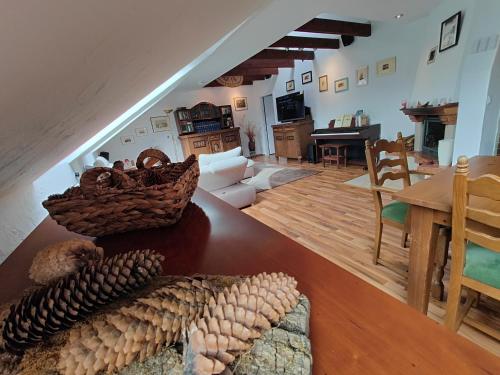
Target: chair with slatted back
x: 396, y: 213
x: 475, y: 243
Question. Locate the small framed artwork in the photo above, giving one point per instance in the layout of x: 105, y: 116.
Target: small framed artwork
x: 386, y: 67
x: 307, y: 77
x: 323, y: 83
x: 240, y: 104
x: 450, y: 32
x: 290, y: 85
x: 127, y: 139
x: 362, y: 76
x: 342, y: 84
x: 141, y: 132
x: 432, y: 55
x: 160, y: 124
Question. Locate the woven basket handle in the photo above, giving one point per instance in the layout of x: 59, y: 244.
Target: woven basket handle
x: 91, y: 184
x: 154, y: 154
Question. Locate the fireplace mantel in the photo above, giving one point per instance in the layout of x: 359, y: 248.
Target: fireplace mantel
x: 447, y: 113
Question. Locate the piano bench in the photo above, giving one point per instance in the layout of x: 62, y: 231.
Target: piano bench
x: 327, y: 155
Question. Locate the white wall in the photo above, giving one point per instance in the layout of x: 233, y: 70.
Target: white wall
x: 21, y: 209
x: 217, y: 96
x: 381, y: 98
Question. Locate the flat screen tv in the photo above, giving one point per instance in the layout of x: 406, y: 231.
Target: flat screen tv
x: 290, y: 107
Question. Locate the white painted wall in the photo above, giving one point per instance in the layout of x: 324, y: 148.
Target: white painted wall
x: 217, y: 96
x: 381, y: 98
x: 456, y: 75
x: 21, y: 209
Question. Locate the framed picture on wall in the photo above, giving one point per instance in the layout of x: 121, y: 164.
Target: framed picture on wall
x: 307, y: 77
x: 342, y: 84
x: 141, y: 132
x: 386, y: 67
x: 290, y: 85
x: 160, y: 124
x: 323, y: 83
x: 362, y: 76
x: 127, y: 139
x: 240, y: 104
x: 450, y: 32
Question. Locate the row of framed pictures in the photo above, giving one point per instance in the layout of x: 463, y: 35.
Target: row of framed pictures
x: 158, y: 123
x: 383, y: 68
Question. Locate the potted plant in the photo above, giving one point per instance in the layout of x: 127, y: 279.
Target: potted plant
x: 250, y: 130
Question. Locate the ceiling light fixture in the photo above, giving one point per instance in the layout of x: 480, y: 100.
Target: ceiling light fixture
x: 399, y: 16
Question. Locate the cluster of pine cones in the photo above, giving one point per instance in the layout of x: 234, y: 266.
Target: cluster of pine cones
x: 214, y: 326
x: 77, y: 289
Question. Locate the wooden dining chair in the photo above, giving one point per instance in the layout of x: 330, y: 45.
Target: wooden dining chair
x: 475, y: 262
x: 395, y: 214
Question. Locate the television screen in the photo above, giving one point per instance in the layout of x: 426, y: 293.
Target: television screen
x: 290, y: 107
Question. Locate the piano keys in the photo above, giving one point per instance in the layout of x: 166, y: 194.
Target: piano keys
x: 353, y: 137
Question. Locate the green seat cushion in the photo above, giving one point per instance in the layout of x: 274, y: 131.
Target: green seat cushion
x: 482, y: 265
x: 396, y: 211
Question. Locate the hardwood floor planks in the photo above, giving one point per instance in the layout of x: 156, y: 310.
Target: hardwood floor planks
x: 336, y: 221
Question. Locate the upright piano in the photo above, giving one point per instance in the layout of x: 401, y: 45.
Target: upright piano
x: 354, y: 137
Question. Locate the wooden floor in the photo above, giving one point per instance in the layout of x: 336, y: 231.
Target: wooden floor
x: 336, y: 221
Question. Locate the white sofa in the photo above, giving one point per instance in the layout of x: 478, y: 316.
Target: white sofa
x: 221, y: 175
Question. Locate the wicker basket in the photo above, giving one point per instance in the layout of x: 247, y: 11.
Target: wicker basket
x: 111, y: 201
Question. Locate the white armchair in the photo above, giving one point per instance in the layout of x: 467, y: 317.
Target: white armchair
x: 221, y: 175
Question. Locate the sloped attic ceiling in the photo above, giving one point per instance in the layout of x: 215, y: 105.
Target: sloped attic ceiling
x: 69, y: 68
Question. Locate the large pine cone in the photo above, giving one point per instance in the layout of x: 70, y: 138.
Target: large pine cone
x: 239, y: 315
x: 57, y: 306
x: 135, y: 332
x: 63, y: 258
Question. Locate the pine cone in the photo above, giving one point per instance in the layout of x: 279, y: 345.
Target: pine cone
x: 62, y: 258
x: 57, y: 306
x: 229, y: 325
x: 135, y: 332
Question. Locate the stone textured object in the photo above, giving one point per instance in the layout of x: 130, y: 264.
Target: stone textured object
x: 57, y: 306
x: 63, y: 258
x: 284, y: 349
x: 135, y: 332
x: 232, y: 321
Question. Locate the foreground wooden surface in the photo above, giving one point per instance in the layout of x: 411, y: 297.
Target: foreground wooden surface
x: 337, y: 221
x: 355, y: 328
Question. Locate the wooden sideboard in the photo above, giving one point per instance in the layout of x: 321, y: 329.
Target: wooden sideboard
x: 291, y: 139
x: 210, y: 142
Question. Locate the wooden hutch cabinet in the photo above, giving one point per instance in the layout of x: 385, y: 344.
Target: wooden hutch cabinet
x: 206, y: 129
x: 291, y: 140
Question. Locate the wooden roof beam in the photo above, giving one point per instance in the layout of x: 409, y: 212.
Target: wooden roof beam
x: 280, y: 54
x: 326, y: 26
x: 214, y: 83
x: 267, y: 63
x: 238, y: 71
x: 303, y: 42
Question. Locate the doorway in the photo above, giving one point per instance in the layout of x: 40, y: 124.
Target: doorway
x: 268, y: 105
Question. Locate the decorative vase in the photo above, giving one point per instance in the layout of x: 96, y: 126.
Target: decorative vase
x: 251, y: 145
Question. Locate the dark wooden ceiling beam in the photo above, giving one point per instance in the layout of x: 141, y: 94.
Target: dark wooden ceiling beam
x: 214, y: 83
x: 238, y: 71
x: 303, y: 42
x: 267, y: 63
x: 325, y: 26
x: 281, y: 54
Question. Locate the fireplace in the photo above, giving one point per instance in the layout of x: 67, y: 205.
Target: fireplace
x: 434, y: 131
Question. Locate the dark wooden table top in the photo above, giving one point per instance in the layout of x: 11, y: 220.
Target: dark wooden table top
x: 355, y: 328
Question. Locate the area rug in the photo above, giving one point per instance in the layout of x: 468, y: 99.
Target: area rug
x: 268, y: 176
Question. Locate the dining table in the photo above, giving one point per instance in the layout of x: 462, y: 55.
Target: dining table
x: 430, y: 203
x: 355, y: 328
